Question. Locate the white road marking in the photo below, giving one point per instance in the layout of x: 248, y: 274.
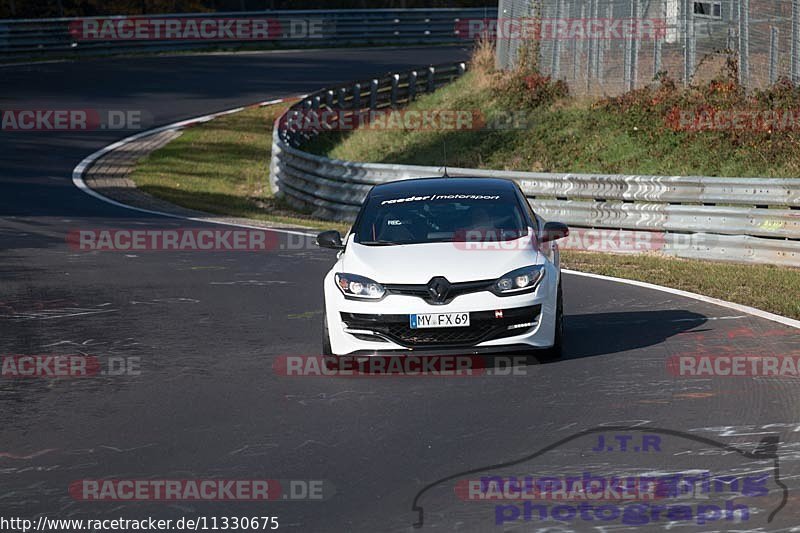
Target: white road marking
x: 685, y: 294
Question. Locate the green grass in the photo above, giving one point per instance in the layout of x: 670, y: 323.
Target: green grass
x: 222, y: 167
x: 571, y: 135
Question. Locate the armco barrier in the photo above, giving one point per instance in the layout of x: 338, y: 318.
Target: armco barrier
x: 64, y: 37
x: 738, y: 219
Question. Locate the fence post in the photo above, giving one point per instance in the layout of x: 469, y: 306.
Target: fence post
x: 590, y: 50
x: 796, y: 41
x: 637, y: 44
x: 555, y: 66
x: 687, y: 25
x: 744, y: 42
x: 692, y: 43
x: 627, y: 55
x: 576, y: 49
x: 602, y: 47
x: 596, y: 43
x: 773, y: 54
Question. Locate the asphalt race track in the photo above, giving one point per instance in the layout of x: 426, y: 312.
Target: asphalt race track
x: 208, y: 327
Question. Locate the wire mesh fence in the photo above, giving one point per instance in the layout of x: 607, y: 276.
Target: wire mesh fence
x: 612, y: 46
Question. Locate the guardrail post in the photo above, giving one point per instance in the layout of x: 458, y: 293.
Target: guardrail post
x: 431, y: 86
x: 462, y: 68
x: 341, y: 97
x: 315, y: 103
x: 329, y: 99
x: 412, y: 85
x: 357, y: 96
x: 395, y: 84
x: 373, y: 94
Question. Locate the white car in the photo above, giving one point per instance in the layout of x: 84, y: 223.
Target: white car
x: 444, y: 265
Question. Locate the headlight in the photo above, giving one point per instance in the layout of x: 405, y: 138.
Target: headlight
x: 353, y: 286
x: 522, y: 280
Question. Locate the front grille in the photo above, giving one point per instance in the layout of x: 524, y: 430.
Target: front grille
x: 483, y: 327
x: 456, y: 289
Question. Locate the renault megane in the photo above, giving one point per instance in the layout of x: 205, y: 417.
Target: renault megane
x: 444, y: 265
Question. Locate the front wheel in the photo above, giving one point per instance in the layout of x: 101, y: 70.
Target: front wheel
x: 326, y: 337
x: 555, y: 351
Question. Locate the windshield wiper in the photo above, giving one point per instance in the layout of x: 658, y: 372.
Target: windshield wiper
x: 379, y: 243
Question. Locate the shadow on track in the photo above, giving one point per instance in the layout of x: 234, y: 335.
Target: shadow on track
x: 607, y: 333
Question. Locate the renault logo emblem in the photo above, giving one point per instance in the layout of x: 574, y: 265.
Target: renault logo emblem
x: 438, y: 289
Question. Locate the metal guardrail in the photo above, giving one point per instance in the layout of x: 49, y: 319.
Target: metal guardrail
x: 60, y: 37
x: 739, y: 219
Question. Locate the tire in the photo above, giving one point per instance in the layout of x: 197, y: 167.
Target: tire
x: 327, y: 351
x: 330, y: 361
x: 556, y: 351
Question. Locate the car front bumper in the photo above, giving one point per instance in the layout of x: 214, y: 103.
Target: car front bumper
x: 520, y: 322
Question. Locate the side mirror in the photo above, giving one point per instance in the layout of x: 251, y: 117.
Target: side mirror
x: 553, y: 231
x: 330, y: 239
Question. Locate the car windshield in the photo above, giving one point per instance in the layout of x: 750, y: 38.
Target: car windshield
x: 447, y: 217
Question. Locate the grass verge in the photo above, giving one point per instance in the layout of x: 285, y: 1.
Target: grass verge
x: 222, y: 167
x: 535, y: 126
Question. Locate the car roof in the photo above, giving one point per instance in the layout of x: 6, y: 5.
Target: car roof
x: 439, y: 185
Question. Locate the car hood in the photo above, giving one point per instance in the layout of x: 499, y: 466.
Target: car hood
x: 418, y: 263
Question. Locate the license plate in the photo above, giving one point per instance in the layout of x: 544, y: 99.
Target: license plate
x: 439, y: 320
